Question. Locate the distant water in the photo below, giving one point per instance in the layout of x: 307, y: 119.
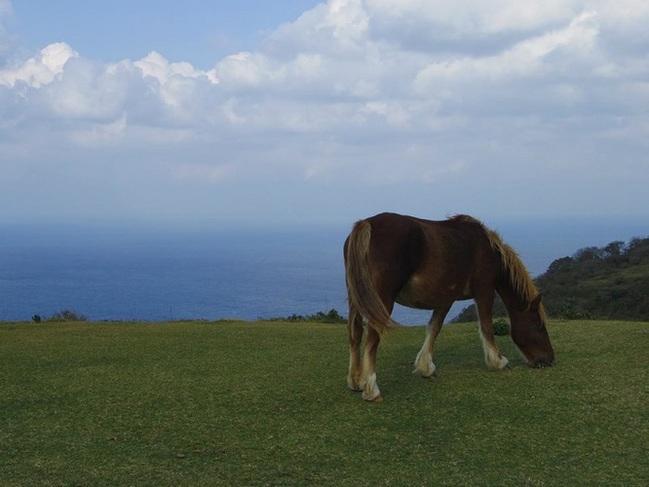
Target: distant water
x: 212, y: 274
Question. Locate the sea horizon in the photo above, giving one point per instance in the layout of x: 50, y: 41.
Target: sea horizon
x: 127, y: 273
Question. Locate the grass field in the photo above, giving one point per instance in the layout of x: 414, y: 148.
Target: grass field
x: 106, y: 404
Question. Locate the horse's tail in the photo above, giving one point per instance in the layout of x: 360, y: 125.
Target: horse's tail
x: 363, y: 297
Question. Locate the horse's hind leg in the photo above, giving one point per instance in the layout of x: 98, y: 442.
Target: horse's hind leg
x: 370, y: 388
x: 355, y: 330
x: 424, y: 365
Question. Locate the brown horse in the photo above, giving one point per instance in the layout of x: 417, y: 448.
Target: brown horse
x: 429, y: 265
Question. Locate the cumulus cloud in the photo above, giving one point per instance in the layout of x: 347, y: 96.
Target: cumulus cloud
x: 382, y: 92
x: 532, y: 57
x: 39, y: 70
x: 345, y: 57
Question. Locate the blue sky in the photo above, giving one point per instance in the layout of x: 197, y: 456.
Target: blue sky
x: 195, y: 31
x: 203, y: 113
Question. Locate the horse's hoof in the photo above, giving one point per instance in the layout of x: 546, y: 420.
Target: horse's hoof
x: 376, y: 399
x: 418, y: 372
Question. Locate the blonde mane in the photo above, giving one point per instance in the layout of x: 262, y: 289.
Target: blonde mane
x: 519, y: 277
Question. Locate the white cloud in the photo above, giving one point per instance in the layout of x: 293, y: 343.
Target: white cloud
x: 528, y: 58
x: 244, y: 70
x: 156, y: 66
x: 374, y: 92
x: 347, y: 19
x: 89, y: 91
x: 41, y: 69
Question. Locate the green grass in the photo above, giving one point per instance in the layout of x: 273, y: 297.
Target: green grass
x: 105, y: 404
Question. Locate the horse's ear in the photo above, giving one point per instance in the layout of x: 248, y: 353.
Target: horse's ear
x: 536, y: 303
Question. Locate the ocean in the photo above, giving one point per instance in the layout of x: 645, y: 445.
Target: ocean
x: 155, y: 275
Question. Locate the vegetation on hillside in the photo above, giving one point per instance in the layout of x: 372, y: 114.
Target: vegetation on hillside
x: 332, y: 316
x: 610, y: 282
x: 65, y: 315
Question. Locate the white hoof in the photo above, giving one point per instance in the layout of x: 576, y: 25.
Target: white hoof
x: 498, y: 363
x: 371, y: 391
x: 424, y: 366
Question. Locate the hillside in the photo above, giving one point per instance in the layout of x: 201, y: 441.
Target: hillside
x: 611, y: 282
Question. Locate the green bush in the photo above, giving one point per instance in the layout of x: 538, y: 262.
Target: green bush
x: 67, y: 315
x: 571, y: 313
x: 501, y: 327
x: 332, y: 316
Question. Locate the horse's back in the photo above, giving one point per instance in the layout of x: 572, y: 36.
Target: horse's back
x: 461, y: 234
x: 426, y: 262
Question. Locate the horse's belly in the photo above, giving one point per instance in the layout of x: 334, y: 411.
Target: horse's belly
x: 418, y: 293
x: 413, y: 302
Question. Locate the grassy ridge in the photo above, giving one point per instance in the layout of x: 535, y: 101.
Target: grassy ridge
x: 266, y: 404
x: 608, y: 283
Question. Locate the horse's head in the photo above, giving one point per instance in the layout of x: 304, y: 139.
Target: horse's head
x: 531, y: 335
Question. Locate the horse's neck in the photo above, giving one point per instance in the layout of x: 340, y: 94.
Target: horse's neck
x: 513, y: 303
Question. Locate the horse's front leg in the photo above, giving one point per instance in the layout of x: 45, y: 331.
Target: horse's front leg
x: 493, y: 358
x: 370, y: 388
x: 355, y: 330
x: 424, y: 365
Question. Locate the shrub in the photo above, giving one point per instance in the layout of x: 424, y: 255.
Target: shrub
x: 332, y: 316
x: 571, y: 313
x: 501, y: 327
x: 67, y: 315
